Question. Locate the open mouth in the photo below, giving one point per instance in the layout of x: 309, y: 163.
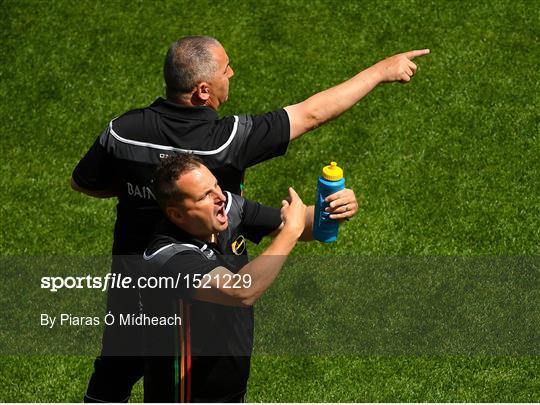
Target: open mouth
x: 221, y: 216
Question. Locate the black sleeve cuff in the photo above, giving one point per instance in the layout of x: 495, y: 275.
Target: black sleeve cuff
x: 259, y: 220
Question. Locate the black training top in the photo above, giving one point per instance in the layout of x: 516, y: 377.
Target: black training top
x: 207, y: 357
x: 126, y: 154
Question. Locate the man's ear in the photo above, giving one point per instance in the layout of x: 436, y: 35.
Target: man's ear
x: 203, y: 91
x: 175, y: 215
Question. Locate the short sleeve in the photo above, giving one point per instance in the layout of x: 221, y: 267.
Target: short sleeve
x: 269, y: 137
x: 95, y: 171
x: 259, y: 220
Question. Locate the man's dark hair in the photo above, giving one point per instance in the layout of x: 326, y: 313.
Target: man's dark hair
x: 188, y: 62
x: 167, y: 173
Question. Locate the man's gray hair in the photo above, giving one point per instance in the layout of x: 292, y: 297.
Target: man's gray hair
x: 188, y: 62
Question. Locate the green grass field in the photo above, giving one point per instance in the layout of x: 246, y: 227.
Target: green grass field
x: 444, y: 166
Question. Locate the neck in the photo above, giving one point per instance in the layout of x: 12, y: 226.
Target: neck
x: 211, y: 238
x: 190, y: 100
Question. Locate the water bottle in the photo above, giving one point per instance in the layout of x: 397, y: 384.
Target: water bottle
x: 330, y: 181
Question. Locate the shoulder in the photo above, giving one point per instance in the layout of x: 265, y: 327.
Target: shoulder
x: 234, y: 202
x: 233, y: 127
x: 276, y: 117
x: 234, y: 209
x: 247, y: 123
x: 239, y: 209
x: 129, y: 126
x: 162, y: 248
x: 133, y: 124
x: 173, y: 258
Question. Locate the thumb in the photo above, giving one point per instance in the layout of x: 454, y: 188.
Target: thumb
x: 293, y: 195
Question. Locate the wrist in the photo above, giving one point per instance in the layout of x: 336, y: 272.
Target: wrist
x: 282, y: 244
x: 290, y: 233
x: 376, y: 72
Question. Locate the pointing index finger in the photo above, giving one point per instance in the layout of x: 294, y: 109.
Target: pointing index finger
x: 419, y: 52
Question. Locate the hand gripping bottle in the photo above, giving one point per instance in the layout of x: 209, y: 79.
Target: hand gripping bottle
x: 331, y: 181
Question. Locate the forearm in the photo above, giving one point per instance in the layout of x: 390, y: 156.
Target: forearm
x: 265, y: 268
x: 331, y: 103
x: 261, y: 272
x: 307, y: 235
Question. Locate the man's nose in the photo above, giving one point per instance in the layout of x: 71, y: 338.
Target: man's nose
x: 220, y: 197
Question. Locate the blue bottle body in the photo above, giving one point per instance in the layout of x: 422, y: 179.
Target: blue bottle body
x: 324, y: 228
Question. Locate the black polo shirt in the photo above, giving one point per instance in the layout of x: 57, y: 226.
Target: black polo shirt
x: 125, y: 155
x: 207, y: 357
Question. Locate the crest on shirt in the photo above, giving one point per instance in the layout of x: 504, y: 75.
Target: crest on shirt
x: 239, y: 245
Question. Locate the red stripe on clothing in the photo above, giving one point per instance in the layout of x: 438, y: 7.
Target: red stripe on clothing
x: 181, y: 368
x: 188, y: 350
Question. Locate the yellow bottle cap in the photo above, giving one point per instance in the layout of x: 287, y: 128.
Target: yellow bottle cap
x: 332, y: 172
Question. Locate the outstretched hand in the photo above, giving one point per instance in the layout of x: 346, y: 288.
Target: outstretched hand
x: 399, y: 67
